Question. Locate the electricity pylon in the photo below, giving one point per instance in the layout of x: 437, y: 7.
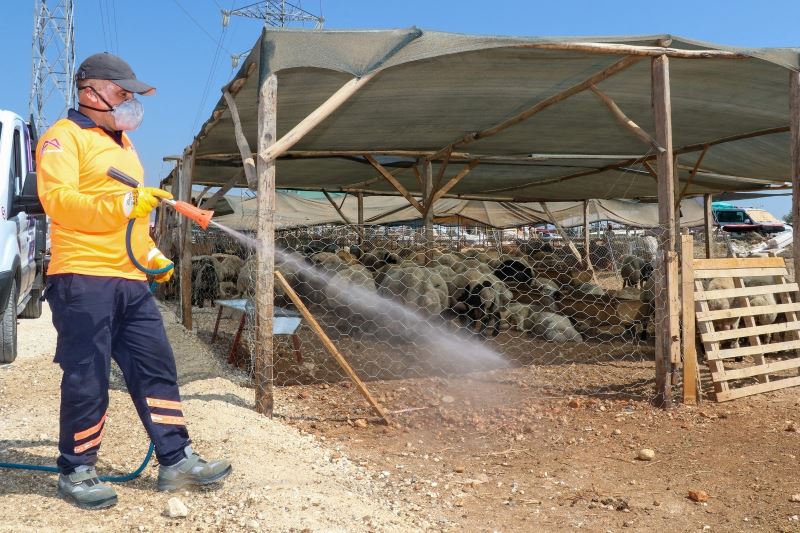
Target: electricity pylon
x: 53, y: 67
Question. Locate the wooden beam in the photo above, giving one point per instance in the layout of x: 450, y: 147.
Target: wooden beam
x: 396, y: 184
x: 433, y: 155
x: 263, y: 366
x: 708, y: 225
x: 443, y: 167
x: 322, y: 112
x: 241, y: 142
x: 607, y: 72
x: 567, y: 240
x: 692, y: 174
x: 635, y: 160
x: 623, y: 119
x: 329, y: 346
x: 185, y: 227
x: 214, y: 198
x: 794, y: 150
x: 690, y: 374
x: 667, y: 294
x: 586, y: 239
x: 342, y: 215
x: 452, y: 182
x: 427, y: 215
x: 635, y: 50
x: 360, y: 199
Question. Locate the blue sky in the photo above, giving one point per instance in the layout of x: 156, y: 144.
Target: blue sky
x: 173, y: 44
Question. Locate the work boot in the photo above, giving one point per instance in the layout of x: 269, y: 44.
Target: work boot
x: 84, y: 489
x: 192, y: 470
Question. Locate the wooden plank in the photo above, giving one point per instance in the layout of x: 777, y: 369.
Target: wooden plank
x: 667, y: 304
x: 791, y: 315
x: 752, y: 330
x: 753, y: 310
x: 586, y: 257
x: 427, y: 216
x: 750, y: 325
x: 263, y: 360
x: 794, y: 152
x: 329, y: 346
x: 692, y: 174
x: 732, y: 394
x: 396, y: 184
x: 341, y: 214
x: 750, y: 371
x: 774, y: 347
x: 690, y: 373
x: 711, y: 348
x: 739, y: 272
x: 739, y: 262
x: 708, y: 226
x: 704, y: 294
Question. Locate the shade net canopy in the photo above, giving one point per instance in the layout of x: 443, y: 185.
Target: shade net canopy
x: 292, y: 210
x: 432, y: 89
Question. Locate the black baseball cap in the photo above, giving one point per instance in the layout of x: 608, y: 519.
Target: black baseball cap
x: 105, y: 66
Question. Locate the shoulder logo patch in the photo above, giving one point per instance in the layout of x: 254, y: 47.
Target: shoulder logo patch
x: 51, y: 145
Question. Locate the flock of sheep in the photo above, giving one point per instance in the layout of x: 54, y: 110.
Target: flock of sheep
x: 525, y: 288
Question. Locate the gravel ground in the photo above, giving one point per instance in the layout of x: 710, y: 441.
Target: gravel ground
x: 283, y: 479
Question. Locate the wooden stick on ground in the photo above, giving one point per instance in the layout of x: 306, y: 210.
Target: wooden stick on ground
x: 298, y: 303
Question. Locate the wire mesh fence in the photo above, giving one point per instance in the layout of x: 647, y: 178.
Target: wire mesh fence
x: 469, y: 303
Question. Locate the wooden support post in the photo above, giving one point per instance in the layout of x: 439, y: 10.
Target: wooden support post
x: 185, y: 232
x: 360, y: 197
x: 667, y: 295
x: 427, y: 215
x: 312, y: 322
x: 690, y: 374
x: 265, y: 254
x: 708, y: 226
x: 586, y: 238
x: 794, y: 147
x: 241, y: 142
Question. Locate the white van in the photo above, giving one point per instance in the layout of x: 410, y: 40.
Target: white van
x: 23, y: 232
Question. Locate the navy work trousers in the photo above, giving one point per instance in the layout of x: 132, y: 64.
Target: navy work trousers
x: 97, y: 318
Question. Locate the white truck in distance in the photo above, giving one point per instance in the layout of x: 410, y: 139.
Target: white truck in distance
x: 23, y: 232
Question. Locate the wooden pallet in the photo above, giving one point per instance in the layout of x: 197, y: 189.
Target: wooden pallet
x: 758, y: 373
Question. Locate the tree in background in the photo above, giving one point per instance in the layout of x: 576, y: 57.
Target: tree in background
x: 788, y: 217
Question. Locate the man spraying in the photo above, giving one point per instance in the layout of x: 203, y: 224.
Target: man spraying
x: 101, y: 304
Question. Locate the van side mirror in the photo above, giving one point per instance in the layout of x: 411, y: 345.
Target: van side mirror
x: 28, y: 200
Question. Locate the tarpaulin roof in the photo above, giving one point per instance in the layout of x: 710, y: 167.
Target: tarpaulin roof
x: 293, y: 210
x: 435, y: 88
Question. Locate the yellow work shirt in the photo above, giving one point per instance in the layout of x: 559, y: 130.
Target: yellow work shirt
x: 87, y: 222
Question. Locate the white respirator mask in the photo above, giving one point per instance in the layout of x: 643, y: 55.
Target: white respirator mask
x: 127, y: 116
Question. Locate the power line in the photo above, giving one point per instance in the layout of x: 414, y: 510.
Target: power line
x: 116, y: 32
x: 216, y: 41
x: 103, y: 26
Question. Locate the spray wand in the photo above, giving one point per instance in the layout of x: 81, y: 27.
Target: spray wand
x: 201, y: 216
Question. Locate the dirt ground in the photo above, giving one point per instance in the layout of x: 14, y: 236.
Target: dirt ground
x: 283, y: 479
x: 490, y: 451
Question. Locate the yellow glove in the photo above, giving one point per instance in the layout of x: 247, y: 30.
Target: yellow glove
x: 155, y: 261
x: 139, y: 202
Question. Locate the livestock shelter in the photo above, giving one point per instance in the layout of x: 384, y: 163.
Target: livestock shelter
x: 427, y: 116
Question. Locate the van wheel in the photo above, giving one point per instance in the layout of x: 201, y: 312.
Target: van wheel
x: 33, y: 309
x: 8, y: 327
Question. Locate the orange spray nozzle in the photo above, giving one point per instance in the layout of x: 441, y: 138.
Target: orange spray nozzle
x: 201, y: 216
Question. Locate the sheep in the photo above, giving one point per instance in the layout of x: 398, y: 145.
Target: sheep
x: 549, y: 326
x: 719, y: 304
x: 346, y: 257
x: 415, y: 287
x: 760, y: 300
x: 377, y: 259
x: 205, y: 281
x: 514, y: 271
x: 472, y: 264
x: 635, y: 271
x: 228, y: 266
